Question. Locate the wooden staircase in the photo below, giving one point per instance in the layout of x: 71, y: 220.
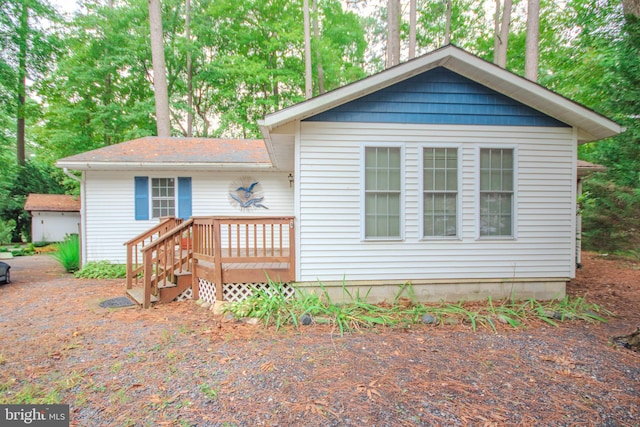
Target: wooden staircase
x: 159, y: 263
x: 173, y: 256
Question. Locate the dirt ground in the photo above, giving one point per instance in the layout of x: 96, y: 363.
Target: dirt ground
x: 177, y: 364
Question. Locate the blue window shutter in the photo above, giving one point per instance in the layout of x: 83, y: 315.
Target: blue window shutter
x: 184, y: 197
x: 142, y: 197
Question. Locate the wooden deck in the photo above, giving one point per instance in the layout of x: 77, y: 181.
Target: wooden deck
x: 220, y: 250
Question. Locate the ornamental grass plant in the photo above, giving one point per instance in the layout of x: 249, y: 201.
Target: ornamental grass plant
x: 68, y: 253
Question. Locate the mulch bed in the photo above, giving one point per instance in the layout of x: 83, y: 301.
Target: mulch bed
x: 178, y: 364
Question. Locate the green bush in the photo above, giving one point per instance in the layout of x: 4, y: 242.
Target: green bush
x: 68, y: 253
x: 610, y: 220
x: 102, y: 270
x: 6, y: 230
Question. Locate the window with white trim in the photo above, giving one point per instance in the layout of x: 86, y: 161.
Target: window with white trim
x: 160, y: 197
x: 496, y: 192
x: 383, y: 192
x: 163, y: 197
x: 440, y: 192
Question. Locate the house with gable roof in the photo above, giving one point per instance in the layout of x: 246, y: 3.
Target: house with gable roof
x: 446, y: 172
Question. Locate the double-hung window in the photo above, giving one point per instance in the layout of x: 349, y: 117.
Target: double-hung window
x: 440, y: 192
x: 160, y: 197
x: 383, y: 192
x: 496, y: 192
x: 163, y: 197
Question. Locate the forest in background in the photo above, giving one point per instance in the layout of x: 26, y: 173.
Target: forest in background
x: 72, y: 83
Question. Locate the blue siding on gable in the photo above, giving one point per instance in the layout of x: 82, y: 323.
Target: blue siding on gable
x: 438, y: 96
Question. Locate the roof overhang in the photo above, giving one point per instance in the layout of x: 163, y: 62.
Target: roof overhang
x: 109, y: 166
x: 591, y: 125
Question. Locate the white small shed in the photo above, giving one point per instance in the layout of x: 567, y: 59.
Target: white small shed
x: 53, y: 216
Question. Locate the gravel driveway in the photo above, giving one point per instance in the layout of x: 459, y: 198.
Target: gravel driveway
x: 178, y: 364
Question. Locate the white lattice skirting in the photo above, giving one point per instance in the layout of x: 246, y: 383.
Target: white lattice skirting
x: 234, y: 292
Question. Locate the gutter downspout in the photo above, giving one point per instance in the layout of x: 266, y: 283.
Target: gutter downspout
x: 83, y: 254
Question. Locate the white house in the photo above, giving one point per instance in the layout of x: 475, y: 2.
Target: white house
x: 446, y: 172
x: 53, y: 216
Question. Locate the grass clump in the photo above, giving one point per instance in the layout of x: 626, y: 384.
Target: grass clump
x: 101, y: 270
x: 68, y: 253
x: 272, y: 306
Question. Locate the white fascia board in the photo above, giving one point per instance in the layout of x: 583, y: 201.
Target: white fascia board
x: 156, y: 166
x: 268, y: 143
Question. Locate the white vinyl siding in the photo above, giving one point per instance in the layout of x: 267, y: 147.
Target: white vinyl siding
x: 383, y: 192
x: 440, y: 192
x: 496, y: 192
x: 110, y: 204
x: 330, y: 194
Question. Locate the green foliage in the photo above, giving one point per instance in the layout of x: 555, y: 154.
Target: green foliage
x: 100, y: 93
x: 6, y: 230
x: 610, y: 220
x: 33, y: 177
x: 209, y: 392
x: 102, y: 270
x: 68, y: 253
x: 271, y: 306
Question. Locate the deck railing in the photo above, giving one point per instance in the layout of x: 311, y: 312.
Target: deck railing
x: 244, y: 250
x: 137, y: 244
x: 220, y: 249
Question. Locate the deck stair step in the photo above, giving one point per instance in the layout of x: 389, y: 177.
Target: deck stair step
x: 137, y: 294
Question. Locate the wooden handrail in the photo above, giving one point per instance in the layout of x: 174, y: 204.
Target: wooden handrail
x: 216, y: 240
x: 135, y: 246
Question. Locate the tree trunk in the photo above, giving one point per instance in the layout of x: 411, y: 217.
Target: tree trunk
x: 412, y: 29
x: 22, y: 83
x: 159, y: 69
x: 533, y: 31
x: 496, y: 32
x: 308, y: 80
x: 393, y: 33
x: 316, y: 36
x: 503, y: 38
x: 189, y: 71
x: 447, y: 30
x: 631, y: 7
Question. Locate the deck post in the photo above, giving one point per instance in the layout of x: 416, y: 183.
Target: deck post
x: 148, y: 264
x: 130, y: 266
x: 195, y: 286
x: 292, y: 250
x: 217, y: 260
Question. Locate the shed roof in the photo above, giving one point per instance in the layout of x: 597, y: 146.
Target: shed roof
x: 585, y: 168
x: 52, y: 203
x: 154, y: 152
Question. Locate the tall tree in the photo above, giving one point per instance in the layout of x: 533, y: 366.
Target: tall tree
x: 159, y: 69
x: 393, y: 32
x: 533, y: 34
x: 187, y: 25
x: 316, y: 43
x: 308, y: 74
x: 447, y: 27
x: 412, y: 28
x: 28, y: 48
x: 100, y: 91
x: 502, y: 26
